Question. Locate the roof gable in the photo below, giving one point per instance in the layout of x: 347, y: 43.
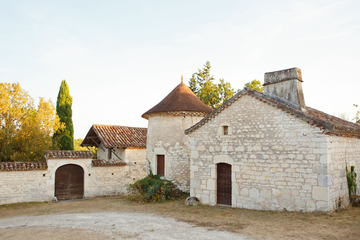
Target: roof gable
x: 116, y: 136
x: 181, y: 98
x: 330, y: 124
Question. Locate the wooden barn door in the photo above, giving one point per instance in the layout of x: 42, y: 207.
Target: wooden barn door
x: 161, y: 165
x: 224, y: 184
x: 69, y: 182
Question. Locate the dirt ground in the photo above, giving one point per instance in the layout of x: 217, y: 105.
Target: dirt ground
x: 118, y: 218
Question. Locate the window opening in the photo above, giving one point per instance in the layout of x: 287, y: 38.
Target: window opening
x: 160, y: 165
x: 226, y: 130
x: 109, y: 153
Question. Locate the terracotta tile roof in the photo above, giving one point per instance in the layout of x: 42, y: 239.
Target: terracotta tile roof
x: 341, y: 127
x: 22, y: 166
x: 181, y: 98
x: 330, y: 124
x: 107, y: 163
x: 68, y: 154
x: 116, y: 136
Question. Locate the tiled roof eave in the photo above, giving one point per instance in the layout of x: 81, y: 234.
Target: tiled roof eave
x: 179, y: 113
x: 107, y: 163
x: 327, y: 127
x: 60, y: 154
x: 114, y: 136
x: 23, y: 166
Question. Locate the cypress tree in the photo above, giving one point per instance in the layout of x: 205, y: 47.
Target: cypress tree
x: 64, y: 137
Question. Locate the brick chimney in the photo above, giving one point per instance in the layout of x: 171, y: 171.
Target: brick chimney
x: 285, y: 86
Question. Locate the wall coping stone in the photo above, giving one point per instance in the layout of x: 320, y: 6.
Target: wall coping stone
x: 22, y: 166
x: 107, y: 163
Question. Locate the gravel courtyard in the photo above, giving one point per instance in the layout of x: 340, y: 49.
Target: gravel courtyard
x: 104, y: 225
x: 119, y: 218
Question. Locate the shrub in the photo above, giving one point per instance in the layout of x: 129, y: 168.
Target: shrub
x: 153, y: 189
x: 351, y: 180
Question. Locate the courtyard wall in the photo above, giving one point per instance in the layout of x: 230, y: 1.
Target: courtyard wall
x: 101, y: 178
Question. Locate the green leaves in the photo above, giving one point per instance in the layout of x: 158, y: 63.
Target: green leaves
x: 25, y: 131
x: 213, y: 95
x: 256, y: 85
x: 64, y: 110
x: 351, y: 180
x: 152, y: 189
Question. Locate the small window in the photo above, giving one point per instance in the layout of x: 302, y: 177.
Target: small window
x: 226, y: 130
x: 161, y: 165
x: 109, y: 153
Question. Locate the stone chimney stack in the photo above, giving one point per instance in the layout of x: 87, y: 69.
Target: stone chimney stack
x: 286, y: 87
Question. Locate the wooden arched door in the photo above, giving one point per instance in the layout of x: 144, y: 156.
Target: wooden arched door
x: 69, y: 182
x: 224, y: 184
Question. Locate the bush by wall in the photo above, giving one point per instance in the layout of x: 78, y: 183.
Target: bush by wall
x: 153, y: 188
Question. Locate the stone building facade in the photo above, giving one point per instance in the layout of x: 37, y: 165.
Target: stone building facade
x: 167, y: 147
x: 121, y: 161
x: 31, y: 182
x: 277, y: 153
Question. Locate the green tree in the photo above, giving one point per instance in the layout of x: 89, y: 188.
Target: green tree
x: 255, y: 84
x: 210, y: 93
x: 25, y: 131
x: 65, y: 136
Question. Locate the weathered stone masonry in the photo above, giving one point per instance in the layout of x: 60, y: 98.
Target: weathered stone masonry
x: 278, y: 160
x: 279, y: 153
x: 101, y: 178
x: 167, y: 122
x: 166, y: 137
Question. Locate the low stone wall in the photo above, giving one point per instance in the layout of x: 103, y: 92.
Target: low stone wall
x: 101, y: 178
x: 25, y: 186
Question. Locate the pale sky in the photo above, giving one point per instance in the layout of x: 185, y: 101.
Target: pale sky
x: 120, y: 58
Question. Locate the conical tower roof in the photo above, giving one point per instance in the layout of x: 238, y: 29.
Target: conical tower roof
x: 180, y: 99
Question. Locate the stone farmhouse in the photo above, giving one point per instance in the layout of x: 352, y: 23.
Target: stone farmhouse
x: 75, y: 174
x: 259, y: 150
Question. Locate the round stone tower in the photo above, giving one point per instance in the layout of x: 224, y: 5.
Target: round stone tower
x: 168, y: 148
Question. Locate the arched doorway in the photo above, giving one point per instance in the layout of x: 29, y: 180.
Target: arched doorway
x: 69, y: 182
x: 224, y: 184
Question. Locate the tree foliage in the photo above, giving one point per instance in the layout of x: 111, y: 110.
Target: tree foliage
x: 65, y: 136
x: 25, y: 131
x: 77, y: 147
x: 357, y: 116
x: 255, y: 84
x: 210, y: 93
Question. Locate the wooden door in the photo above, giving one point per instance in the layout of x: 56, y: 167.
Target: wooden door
x: 69, y: 182
x: 161, y: 165
x: 224, y: 184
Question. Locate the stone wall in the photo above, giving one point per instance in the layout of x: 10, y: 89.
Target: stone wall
x: 102, y: 180
x: 112, y: 181
x: 340, y: 151
x: 166, y: 137
x: 102, y: 152
x: 278, y: 160
x: 25, y: 186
